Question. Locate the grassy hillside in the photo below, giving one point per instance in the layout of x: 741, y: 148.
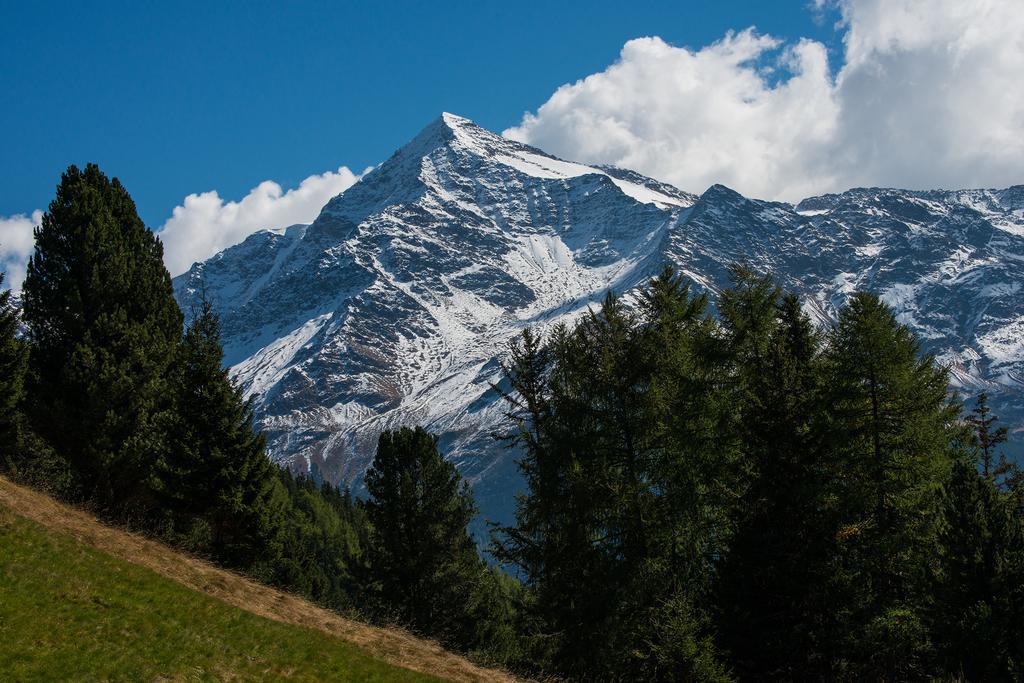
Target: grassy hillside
x: 80, y: 600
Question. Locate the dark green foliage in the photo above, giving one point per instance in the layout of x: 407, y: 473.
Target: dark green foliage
x: 494, y: 613
x: 771, y: 589
x: 978, y: 618
x: 321, y: 551
x: 786, y: 482
x: 35, y: 463
x: 1005, y: 474
x: 424, y: 563
x: 618, y: 420
x: 213, y: 475
x: 989, y: 440
x: 13, y: 360
x: 978, y: 586
x: 23, y: 454
x: 891, y: 426
x: 103, y: 326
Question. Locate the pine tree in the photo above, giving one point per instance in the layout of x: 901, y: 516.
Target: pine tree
x: 890, y: 435
x: 214, y: 466
x: 13, y: 359
x: 103, y: 326
x: 420, y: 552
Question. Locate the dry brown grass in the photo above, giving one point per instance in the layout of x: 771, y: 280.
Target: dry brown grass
x: 391, y: 645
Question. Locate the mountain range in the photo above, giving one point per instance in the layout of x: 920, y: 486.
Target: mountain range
x: 396, y: 304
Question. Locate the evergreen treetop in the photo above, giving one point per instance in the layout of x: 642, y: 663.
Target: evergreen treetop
x: 423, y: 559
x: 214, y: 464
x: 103, y: 326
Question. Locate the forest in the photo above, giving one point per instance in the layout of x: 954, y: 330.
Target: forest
x: 712, y: 490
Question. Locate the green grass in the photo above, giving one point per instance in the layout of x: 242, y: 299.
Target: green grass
x: 72, y: 612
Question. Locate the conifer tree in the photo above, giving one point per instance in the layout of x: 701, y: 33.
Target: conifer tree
x: 978, y: 615
x: 421, y: 554
x: 601, y: 447
x: 323, y: 539
x: 550, y: 542
x: 989, y: 439
x: 688, y: 478
x: 770, y: 585
x: 214, y: 467
x: 1005, y: 474
x: 13, y: 358
x: 617, y: 422
x: 890, y: 435
x: 529, y: 543
x: 103, y: 326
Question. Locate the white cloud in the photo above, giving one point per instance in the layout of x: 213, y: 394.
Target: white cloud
x: 202, y: 225
x: 930, y: 94
x: 205, y: 224
x: 16, y: 244
x: 927, y: 95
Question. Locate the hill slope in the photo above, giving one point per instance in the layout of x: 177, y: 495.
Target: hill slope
x: 82, y: 600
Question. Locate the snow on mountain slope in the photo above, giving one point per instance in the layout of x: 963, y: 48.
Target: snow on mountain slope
x: 393, y: 306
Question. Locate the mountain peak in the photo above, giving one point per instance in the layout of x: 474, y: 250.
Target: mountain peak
x: 719, y: 191
x: 396, y: 305
x: 451, y: 130
x: 454, y: 120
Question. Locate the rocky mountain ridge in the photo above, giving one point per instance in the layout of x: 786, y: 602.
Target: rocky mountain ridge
x: 395, y: 304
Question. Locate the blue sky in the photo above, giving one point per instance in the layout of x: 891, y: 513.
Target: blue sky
x: 184, y: 97
x: 225, y: 118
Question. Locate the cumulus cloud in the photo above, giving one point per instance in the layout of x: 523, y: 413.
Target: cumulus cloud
x: 205, y: 223
x: 16, y: 244
x: 930, y: 94
x: 926, y: 95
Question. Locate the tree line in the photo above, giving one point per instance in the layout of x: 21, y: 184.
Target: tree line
x: 709, y: 495
x: 745, y: 496
x: 111, y: 401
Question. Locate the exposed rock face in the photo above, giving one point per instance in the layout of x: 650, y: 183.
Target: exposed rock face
x: 393, y: 306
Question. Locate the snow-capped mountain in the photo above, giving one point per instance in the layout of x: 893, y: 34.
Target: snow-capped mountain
x: 394, y: 305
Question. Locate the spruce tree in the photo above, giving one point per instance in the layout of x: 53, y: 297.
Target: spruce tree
x: 550, y: 542
x: 214, y: 467
x: 602, y: 450
x: 978, y: 614
x: 103, y: 326
x: 13, y: 358
x: 687, y: 483
x: 421, y: 555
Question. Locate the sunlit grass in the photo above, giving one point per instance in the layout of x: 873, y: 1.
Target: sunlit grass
x: 68, y: 611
